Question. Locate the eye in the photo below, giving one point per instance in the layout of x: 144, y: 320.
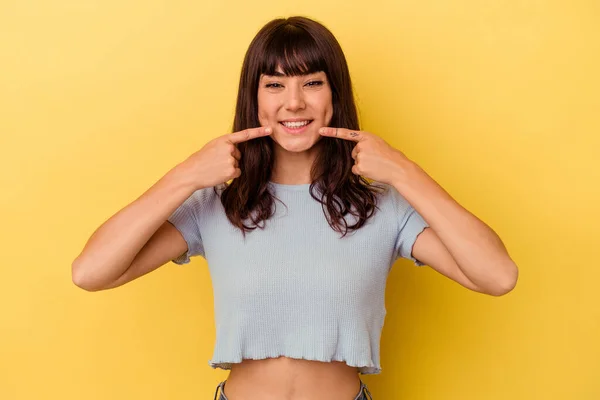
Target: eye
x: 273, y: 85
x: 315, y: 83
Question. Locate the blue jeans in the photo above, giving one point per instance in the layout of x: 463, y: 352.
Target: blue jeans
x: 362, y: 393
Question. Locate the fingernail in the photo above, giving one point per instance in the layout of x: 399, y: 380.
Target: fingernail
x: 268, y: 130
x: 322, y: 130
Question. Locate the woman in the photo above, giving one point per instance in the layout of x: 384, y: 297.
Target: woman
x: 300, y: 243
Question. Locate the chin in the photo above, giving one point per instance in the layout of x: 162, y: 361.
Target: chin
x: 297, y: 148
x: 296, y: 144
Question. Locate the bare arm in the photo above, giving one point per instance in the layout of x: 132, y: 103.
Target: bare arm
x: 138, y: 239
x: 113, y: 247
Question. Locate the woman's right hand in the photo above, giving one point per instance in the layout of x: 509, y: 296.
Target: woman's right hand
x: 217, y: 161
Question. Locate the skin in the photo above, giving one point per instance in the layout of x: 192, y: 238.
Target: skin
x: 281, y: 98
x: 285, y: 97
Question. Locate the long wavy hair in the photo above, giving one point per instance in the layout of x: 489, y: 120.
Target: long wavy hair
x: 298, y: 45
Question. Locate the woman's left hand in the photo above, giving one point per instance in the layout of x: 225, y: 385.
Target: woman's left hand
x: 373, y: 157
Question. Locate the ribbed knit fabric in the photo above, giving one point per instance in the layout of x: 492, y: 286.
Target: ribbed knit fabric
x: 296, y: 288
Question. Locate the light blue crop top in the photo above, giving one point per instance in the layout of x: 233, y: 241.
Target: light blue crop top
x: 296, y: 288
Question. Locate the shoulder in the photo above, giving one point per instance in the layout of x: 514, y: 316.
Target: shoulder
x: 390, y: 198
x: 202, y: 198
x: 385, y: 191
x: 209, y: 193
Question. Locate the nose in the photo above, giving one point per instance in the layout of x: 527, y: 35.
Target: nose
x: 295, y: 99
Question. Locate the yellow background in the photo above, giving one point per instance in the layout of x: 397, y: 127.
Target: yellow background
x: 496, y: 100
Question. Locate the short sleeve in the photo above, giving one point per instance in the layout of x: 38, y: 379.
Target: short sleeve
x: 185, y: 220
x: 410, y: 225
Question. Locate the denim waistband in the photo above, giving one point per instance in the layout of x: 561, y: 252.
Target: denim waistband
x: 363, y: 393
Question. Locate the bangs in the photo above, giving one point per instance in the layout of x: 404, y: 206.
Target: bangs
x: 294, y: 51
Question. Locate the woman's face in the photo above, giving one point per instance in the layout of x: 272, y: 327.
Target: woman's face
x: 295, y: 107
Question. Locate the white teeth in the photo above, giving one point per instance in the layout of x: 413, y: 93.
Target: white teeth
x: 295, y: 124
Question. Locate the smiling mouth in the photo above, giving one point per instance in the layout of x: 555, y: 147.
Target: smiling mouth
x: 296, y: 125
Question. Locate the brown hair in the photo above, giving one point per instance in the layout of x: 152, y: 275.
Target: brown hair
x: 298, y: 45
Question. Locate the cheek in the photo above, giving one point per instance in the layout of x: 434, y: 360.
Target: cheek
x: 266, y: 111
x: 328, y: 113
x: 261, y: 111
x: 327, y: 107
x: 261, y: 117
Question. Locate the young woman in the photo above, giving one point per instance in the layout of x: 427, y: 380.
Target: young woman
x: 300, y: 242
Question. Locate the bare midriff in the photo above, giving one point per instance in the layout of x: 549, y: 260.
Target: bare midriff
x: 292, y: 379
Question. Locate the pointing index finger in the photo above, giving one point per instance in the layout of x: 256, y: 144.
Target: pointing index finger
x: 342, y: 133
x: 249, y: 134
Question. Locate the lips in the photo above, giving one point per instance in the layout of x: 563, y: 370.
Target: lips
x: 296, y: 120
x: 296, y: 130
